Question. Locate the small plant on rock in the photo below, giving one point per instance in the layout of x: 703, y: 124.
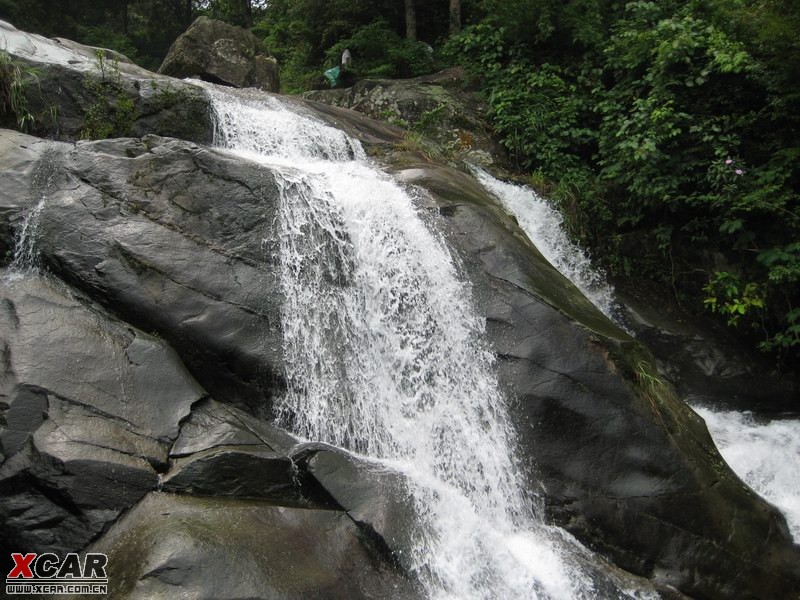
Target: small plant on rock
x: 14, y: 81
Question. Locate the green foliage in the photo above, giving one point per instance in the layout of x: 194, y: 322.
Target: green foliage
x: 676, y: 124
x: 308, y: 36
x: 110, y: 112
x: 15, y: 79
x: 727, y: 295
x: 103, y: 36
x: 143, y: 30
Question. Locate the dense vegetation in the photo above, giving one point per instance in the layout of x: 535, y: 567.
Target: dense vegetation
x: 668, y: 131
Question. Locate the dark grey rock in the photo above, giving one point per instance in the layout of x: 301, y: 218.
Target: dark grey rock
x: 214, y: 548
x: 89, y: 408
x: 376, y: 498
x: 212, y: 424
x: 56, y: 343
x: 220, y: 53
x: 240, y: 471
x: 169, y: 236
x: 704, y: 362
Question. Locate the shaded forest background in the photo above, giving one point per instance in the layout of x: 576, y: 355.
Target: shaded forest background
x: 668, y: 132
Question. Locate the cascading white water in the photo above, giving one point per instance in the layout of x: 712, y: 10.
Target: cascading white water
x: 384, y: 358
x: 765, y: 454
x: 544, y: 226
x: 26, y: 255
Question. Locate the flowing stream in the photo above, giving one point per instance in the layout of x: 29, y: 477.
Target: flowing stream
x: 544, y: 227
x: 764, y: 453
x: 384, y: 358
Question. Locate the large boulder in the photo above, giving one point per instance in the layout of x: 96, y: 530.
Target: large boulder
x: 220, y: 53
x: 96, y: 415
x: 81, y: 92
x: 626, y: 466
x: 209, y: 548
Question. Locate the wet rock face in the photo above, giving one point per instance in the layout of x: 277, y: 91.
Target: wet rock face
x: 220, y: 53
x: 170, y: 236
x: 90, y: 407
x: 98, y: 415
x: 241, y: 548
x: 704, y: 363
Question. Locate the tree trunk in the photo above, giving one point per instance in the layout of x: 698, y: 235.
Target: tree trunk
x: 455, y: 16
x: 247, y: 13
x: 188, y: 13
x: 411, y: 20
x: 125, y: 17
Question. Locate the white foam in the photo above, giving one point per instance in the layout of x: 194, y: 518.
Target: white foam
x: 766, y: 455
x: 544, y: 227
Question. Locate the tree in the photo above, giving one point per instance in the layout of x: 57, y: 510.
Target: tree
x: 246, y: 11
x: 411, y: 20
x: 455, y: 16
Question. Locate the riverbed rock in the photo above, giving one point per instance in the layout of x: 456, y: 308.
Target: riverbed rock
x: 238, y: 471
x: 215, y: 51
x: 701, y: 359
x: 213, y: 424
x: 212, y: 548
x: 376, y: 498
x: 81, y: 92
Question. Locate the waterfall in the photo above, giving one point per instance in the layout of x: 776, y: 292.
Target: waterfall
x: 25, y: 255
x: 544, y: 226
x: 384, y: 358
x: 764, y: 453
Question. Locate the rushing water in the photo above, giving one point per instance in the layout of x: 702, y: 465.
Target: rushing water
x: 384, y: 358
x: 544, y: 227
x: 764, y: 453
